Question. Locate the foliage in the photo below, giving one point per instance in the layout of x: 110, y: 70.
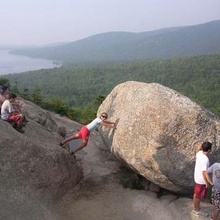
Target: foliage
x: 55, y: 104
x: 78, y: 87
x: 4, y: 82
x: 89, y: 111
x: 37, y: 96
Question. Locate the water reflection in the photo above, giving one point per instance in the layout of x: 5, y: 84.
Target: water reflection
x: 11, y: 63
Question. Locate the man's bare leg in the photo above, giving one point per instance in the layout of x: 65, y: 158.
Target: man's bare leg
x: 70, y: 138
x: 20, y: 121
x: 215, y: 214
x: 196, y: 203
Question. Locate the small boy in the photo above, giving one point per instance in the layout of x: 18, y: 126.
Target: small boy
x: 8, y: 113
x: 215, y: 182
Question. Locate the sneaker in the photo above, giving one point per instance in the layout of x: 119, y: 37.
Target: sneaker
x: 200, y: 213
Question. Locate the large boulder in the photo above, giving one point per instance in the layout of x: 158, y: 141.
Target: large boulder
x: 158, y: 130
x: 34, y: 169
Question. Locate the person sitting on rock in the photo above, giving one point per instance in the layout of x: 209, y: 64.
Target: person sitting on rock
x: 84, y: 132
x: 8, y: 113
x: 17, y: 104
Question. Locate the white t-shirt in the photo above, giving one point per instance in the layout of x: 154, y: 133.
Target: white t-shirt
x: 6, y: 109
x: 202, y: 164
x: 215, y: 170
x: 94, y: 124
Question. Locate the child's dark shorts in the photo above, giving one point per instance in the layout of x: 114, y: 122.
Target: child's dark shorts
x: 215, y: 198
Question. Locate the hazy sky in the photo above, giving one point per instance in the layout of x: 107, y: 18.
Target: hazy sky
x: 39, y: 22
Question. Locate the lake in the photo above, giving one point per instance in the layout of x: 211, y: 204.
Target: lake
x: 11, y: 63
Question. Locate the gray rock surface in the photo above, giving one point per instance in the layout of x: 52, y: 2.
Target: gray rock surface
x: 34, y: 170
x: 158, y: 130
x: 39, y: 115
x: 100, y: 194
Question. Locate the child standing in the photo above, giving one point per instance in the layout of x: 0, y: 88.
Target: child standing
x: 215, y: 182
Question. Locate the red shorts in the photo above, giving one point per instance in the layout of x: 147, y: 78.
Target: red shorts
x: 200, y: 191
x: 13, y: 118
x: 84, y: 133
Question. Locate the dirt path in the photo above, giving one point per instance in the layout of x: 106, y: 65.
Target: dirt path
x: 103, y: 199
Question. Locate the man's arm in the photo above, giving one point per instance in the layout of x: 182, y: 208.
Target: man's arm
x: 207, y: 176
x: 108, y: 124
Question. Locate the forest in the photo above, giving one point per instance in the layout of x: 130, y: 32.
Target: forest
x: 77, y: 91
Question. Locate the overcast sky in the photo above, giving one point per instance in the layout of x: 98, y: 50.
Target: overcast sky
x: 39, y: 22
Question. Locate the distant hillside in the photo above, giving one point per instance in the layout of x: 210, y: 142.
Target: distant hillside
x: 120, y: 46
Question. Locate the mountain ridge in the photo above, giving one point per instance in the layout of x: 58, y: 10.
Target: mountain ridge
x: 118, y: 46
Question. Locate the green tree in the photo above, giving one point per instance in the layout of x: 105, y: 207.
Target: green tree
x: 37, y: 96
x: 4, y: 81
x: 57, y: 105
x: 89, y: 111
x: 26, y: 94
